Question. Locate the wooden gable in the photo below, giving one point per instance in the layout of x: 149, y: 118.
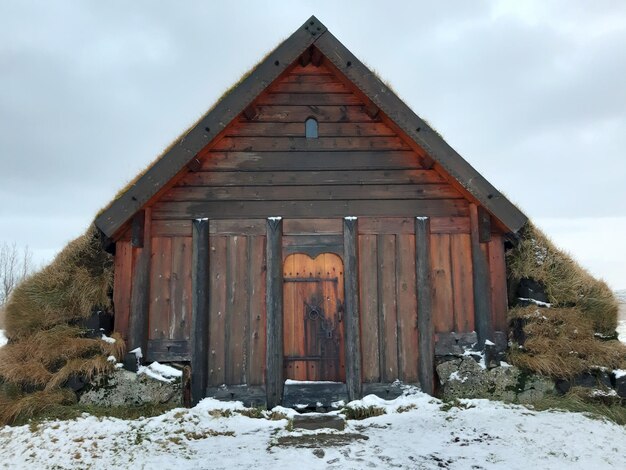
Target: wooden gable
x: 354, y: 104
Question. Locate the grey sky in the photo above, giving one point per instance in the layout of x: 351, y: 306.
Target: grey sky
x: 533, y: 94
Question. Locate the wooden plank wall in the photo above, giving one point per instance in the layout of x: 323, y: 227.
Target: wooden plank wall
x: 387, y: 291
x: 170, y: 288
x: 237, y: 311
x: 122, y: 285
x: 265, y: 166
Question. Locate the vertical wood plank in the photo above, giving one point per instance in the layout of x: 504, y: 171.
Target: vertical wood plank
x: 369, y: 308
x: 388, y: 306
x: 424, y: 310
x: 217, y: 327
x: 236, y: 309
x: 497, y: 268
x: 199, y: 308
x: 461, y: 253
x: 441, y: 282
x: 180, y: 311
x: 407, y: 308
x: 274, y: 311
x: 481, y: 281
x: 257, y: 310
x: 140, y: 294
x: 122, y: 286
x: 351, y: 292
x: 160, y: 288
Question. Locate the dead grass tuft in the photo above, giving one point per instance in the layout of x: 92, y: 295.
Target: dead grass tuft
x: 566, y: 283
x: 75, y: 284
x: 363, y: 412
x: 24, y: 407
x: 561, y: 343
x: 582, y: 403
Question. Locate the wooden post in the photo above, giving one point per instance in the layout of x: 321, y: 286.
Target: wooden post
x: 424, y: 305
x: 140, y: 293
x: 199, y: 309
x: 481, y: 281
x: 274, y: 309
x: 351, y: 317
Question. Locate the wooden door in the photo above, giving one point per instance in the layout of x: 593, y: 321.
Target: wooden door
x: 313, y: 318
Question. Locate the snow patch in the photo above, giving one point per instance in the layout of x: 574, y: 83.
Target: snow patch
x: 299, y: 382
x: 350, y: 218
x: 455, y: 376
x: 275, y: 218
x: 3, y: 338
x: 536, y: 302
x: 137, y: 353
x: 161, y: 372
x: 112, y: 359
x: 619, y: 373
x: 107, y: 339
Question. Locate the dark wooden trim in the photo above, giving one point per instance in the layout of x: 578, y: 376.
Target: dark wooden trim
x: 137, y: 229
x: 481, y: 281
x: 316, y: 57
x: 424, y: 304
x: 310, y: 209
x: 484, y: 225
x: 226, y: 110
x: 419, y: 131
x: 351, y: 293
x: 274, y: 311
x: 168, y: 350
x: 249, y: 395
x: 385, y: 390
x: 199, y: 309
x: 140, y: 291
x: 208, y: 127
x: 310, y: 394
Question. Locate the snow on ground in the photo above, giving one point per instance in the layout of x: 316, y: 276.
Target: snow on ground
x: 3, y: 338
x: 417, y: 432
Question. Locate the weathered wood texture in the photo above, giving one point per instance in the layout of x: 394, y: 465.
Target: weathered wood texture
x: 481, y: 281
x: 388, y: 310
x: 352, y: 308
x: 236, y: 350
x: 274, y: 309
x: 424, y: 305
x: 497, y: 274
x: 140, y: 290
x: 170, y: 288
x: 122, y: 286
x: 199, y: 308
x: 264, y: 165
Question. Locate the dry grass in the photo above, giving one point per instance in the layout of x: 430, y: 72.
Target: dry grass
x: 76, y: 283
x: 24, y: 407
x: 561, y: 343
x: 578, y: 402
x: 48, y: 358
x: 566, y: 283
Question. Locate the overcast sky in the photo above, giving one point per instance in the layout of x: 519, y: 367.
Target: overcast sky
x: 533, y: 94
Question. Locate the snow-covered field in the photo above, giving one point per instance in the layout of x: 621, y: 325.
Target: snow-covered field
x: 417, y: 432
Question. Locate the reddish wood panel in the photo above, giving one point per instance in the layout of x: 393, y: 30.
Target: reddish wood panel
x: 497, y: 269
x: 217, y: 310
x: 442, y: 292
x: 407, y: 308
x: 461, y: 256
x: 237, y: 315
x: 256, y: 296
x: 160, y: 287
x: 388, y: 322
x: 122, y: 286
x: 368, y: 297
x: 180, y: 284
x: 379, y: 225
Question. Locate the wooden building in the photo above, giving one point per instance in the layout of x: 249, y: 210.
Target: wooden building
x: 309, y: 227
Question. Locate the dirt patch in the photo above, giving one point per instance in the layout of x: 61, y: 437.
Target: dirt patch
x: 312, y: 441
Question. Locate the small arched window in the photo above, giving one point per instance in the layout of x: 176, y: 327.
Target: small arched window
x: 310, y: 128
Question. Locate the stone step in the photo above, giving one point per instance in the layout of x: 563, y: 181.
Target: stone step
x: 313, y: 421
